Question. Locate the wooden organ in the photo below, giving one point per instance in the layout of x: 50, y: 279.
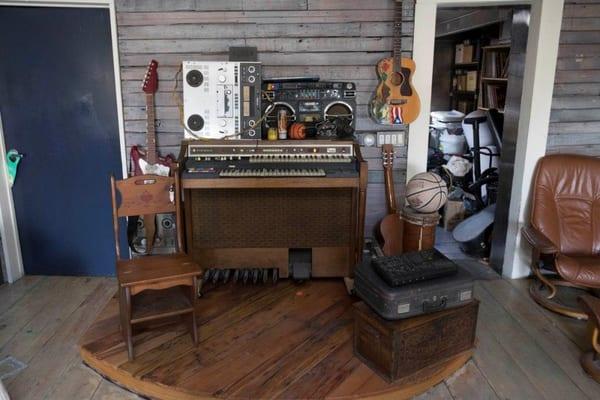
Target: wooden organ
x: 276, y: 205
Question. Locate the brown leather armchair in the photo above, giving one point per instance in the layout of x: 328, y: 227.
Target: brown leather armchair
x: 564, y: 232
x: 564, y: 229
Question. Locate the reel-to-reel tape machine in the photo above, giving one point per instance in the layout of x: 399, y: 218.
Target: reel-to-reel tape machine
x: 221, y: 99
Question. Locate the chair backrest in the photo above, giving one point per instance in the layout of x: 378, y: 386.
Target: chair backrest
x: 566, y: 202
x: 146, y: 195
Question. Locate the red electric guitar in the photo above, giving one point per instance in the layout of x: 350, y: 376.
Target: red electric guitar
x: 148, y: 162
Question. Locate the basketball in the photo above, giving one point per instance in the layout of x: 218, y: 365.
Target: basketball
x: 426, y: 192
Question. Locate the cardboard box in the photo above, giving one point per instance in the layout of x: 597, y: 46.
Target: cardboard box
x: 458, y: 53
x: 461, y: 82
x: 454, y: 213
x: 471, y: 84
x: 467, y: 55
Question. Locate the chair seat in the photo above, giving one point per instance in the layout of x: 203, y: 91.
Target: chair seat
x: 580, y: 270
x: 152, y: 269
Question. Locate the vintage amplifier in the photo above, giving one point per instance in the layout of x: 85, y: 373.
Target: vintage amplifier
x: 221, y: 99
x: 309, y: 102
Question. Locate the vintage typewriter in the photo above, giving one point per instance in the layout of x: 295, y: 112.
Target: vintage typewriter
x: 258, y: 210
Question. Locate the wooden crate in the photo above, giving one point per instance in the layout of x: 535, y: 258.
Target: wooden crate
x: 397, y: 349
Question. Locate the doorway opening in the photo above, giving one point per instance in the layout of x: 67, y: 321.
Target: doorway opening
x: 476, y: 94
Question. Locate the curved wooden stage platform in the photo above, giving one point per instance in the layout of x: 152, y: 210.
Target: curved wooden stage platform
x: 274, y: 341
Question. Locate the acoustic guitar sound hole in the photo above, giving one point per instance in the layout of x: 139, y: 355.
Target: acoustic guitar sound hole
x: 397, y: 78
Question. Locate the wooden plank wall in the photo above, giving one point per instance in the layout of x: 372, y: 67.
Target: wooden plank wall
x: 336, y: 39
x: 575, y: 117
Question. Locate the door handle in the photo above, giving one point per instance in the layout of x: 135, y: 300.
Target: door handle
x: 13, y: 157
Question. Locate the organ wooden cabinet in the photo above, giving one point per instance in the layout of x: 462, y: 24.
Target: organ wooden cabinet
x: 284, y: 206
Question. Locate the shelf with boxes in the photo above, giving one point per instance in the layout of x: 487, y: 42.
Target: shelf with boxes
x: 465, y: 73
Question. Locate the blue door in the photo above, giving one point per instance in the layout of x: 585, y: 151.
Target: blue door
x: 58, y: 107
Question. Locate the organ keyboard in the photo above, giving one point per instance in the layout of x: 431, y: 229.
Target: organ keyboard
x: 258, y: 204
x: 262, y: 159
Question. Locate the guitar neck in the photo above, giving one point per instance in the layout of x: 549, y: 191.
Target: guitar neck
x: 151, y: 155
x: 397, y: 50
x: 390, y: 196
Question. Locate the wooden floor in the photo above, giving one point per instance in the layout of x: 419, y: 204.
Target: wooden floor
x: 523, y: 351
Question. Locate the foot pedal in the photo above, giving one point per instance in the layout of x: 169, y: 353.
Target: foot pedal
x: 300, y: 264
x: 226, y: 274
x: 216, y: 276
x: 208, y: 275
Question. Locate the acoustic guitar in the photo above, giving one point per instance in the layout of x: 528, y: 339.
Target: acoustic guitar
x: 148, y: 162
x: 391, y: 226
x: 395, y: 100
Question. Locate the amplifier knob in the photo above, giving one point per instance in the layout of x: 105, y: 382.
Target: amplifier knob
x: 252, y: 123
x: 251, y: 79
x: 223, y: 123
x: 251, y: 69
x: 222, y: 78
x: 251, y: 133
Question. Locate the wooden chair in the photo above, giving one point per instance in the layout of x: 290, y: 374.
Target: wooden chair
x: 153, y: 287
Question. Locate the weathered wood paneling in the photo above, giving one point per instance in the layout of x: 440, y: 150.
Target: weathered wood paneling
x: 335, y: 39
x: 575, y: 117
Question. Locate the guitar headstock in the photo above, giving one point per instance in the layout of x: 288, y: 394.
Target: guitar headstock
x: 150, y: 84
x: 387, y: 151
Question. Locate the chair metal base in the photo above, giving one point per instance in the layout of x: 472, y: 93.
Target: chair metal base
x: 543, y: 292
x: 590, y: 362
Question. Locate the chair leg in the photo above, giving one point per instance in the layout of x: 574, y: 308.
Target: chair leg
x: 535, y: 268
x: 194, y: 300
x: 127, y: 328
x: 590, y: 361
x: 540, y: 287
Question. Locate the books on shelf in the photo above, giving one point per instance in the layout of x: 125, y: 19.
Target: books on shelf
x: 495, y: 96
x: 496, y: 64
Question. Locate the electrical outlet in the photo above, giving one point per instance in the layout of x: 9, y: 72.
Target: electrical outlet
x: 393, y: 138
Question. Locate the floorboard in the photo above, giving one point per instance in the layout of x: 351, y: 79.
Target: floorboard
x: 533, y: 320
x: 17, y: 290
x: 547, y: 377
x: 523, y: 351
x: 469, y: 383
x: 46, y: 368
